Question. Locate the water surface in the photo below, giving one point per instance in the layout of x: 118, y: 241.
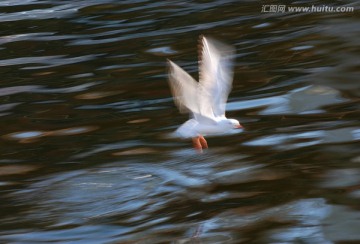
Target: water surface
x: 86, y: 114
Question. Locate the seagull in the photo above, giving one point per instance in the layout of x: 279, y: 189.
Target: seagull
x: 205, y: 100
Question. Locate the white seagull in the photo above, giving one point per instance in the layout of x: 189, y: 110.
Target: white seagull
x: 205, y: 100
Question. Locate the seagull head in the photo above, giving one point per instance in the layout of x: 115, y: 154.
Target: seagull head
x: 230, y: 124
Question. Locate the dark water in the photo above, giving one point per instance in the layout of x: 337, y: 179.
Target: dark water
x: 86, y: 112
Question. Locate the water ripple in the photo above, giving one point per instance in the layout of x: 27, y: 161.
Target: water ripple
x: 47, y: 61
x: 86, y: 116
x: 47, y: 13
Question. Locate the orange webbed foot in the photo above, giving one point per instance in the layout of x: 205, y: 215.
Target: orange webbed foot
x: 203, y: 142
x: 199, y: 143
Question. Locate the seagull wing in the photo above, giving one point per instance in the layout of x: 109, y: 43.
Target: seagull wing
x: 216, y: 74
x: 184, y: 89
x: 186, y: 95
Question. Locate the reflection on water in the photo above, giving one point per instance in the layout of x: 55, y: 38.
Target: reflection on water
x: 29, y: 136
x: 86, y: 113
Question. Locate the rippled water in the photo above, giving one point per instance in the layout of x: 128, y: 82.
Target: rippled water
x: 86, y: 112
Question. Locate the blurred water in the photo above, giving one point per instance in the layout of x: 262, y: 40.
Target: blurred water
x: 86, y: 113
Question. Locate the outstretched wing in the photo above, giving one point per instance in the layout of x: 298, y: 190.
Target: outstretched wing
x: 215, y: 74
x: 184, y: 89
x: 186, y: 94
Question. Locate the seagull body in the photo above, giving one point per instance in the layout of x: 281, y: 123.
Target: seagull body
x: 205, y: 100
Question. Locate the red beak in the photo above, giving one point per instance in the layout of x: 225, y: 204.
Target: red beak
x: 239, y: 127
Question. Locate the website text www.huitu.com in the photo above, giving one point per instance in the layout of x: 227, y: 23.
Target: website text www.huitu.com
x: 306, y: 9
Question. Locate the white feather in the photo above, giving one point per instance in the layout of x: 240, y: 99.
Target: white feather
x: 215, y: 74
x: 205, y: 100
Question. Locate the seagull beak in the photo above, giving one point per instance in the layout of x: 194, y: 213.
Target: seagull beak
x: 239, y: 126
